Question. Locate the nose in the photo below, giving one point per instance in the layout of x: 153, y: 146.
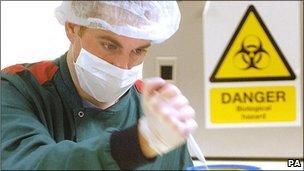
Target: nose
x: 122, y: 61
x: 122, y: 65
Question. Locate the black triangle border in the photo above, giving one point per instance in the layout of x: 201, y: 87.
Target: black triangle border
x: 292, y: 76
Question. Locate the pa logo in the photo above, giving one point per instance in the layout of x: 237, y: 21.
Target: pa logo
x: 294, y: 163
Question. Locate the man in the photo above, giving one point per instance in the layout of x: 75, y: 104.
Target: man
x: 88, y: 109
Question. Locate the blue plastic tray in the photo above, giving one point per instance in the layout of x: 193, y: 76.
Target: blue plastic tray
x: 224, y: 167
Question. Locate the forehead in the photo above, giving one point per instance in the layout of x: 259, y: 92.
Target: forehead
x: 115, y: 38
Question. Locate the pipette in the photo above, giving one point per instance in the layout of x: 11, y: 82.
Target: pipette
x: 196, y: 149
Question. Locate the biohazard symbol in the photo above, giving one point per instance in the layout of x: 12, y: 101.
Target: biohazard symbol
x: 252, y: 54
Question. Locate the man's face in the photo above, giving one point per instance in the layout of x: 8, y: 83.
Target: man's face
x: 121, y: 51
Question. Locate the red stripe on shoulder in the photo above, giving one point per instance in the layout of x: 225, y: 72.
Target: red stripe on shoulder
x: 43, y: 71
x: 139, y: 85
x: 14, y: 69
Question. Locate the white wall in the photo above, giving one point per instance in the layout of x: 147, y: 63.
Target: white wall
x: 30, y: 32
x: 187, y: 46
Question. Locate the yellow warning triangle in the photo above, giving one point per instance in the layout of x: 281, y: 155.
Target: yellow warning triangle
x: 252, y: 54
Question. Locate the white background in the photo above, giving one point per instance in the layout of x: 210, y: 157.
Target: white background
x: 30, y: 32
x: 285, y: 29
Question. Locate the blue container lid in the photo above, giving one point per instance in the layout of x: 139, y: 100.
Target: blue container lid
x: 224, y: 167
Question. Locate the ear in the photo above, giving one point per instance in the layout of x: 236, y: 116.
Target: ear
x: 71, y: 30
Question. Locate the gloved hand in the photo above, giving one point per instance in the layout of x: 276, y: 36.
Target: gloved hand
x: 168, y: 119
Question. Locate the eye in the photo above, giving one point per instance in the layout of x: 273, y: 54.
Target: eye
x: 140, y: 52
x: 109, y: 46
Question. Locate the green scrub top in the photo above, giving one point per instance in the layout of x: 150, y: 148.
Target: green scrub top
x: 45, y: 124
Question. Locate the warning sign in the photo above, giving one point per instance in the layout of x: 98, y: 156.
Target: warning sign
x: 252, y: 54
x: 253, y: 104
x: 255, y: 79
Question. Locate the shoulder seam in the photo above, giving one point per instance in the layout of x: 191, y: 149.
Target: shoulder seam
x: 43, y: 71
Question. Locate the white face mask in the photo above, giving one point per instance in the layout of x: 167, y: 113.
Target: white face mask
x: 102, y: 80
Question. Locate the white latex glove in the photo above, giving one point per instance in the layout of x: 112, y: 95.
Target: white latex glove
x: 169, y: 119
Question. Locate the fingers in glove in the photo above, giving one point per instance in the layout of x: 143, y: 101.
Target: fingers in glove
x: 178, y: 101
x: 183, y: 114
x: 191, y: 125
x: 154, y: 103
x: 153, y: 84
x: 168, y: 91
x: 186, y: 113
x: 167, y: 109
x: 183, y: 128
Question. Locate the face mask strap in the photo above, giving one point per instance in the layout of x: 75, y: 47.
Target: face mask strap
x: 81, y: 47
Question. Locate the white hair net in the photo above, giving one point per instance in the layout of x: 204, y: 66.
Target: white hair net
x: 149, y: 20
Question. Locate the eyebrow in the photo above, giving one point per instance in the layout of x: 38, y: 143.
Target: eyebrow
x: 144, y: 46
x: 108, y: 38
